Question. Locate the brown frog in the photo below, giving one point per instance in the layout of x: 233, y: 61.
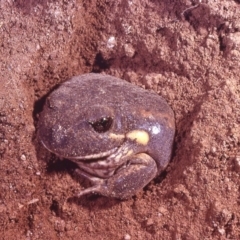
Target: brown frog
x: 120, y: 135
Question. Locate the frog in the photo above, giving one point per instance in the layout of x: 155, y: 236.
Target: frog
x: 119, y: 135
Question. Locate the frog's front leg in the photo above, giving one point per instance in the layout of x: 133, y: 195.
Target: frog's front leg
x: 127, y: 180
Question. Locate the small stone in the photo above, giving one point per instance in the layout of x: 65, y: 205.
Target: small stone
x: 21, y: 106
x: 213, y: 149
x: 38, y: 173
x: 29, y: 233
x: 20, y: 205
x: 129, y: 50
x: 149, y: 222
x: 127, y: 237
x: 111, y: 42
x: 221, y: 231
x: 34, y: 200
x: 23, y: 157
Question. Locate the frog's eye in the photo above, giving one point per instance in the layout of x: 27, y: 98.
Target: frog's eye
x: 102, y: 125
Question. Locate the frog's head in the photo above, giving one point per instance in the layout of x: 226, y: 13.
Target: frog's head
x: 72, y: 130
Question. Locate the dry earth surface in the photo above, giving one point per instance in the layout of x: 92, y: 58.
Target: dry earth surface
x: 187, y: 51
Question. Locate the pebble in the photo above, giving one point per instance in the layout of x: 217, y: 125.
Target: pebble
x: 127, y: 237
x: 23, y: 157
x: 129, y: 50
x: 149, y: 222
x: 111, y: 42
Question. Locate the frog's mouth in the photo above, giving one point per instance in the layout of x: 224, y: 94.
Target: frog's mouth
x: 86, y: 157
x: 95, y: 156
x: 135, y: 140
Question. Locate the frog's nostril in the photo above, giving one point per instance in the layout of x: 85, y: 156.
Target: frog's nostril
x: 102, y: 125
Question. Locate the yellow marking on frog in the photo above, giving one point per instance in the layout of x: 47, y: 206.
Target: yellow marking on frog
x: 139, y: 136
x: 116, y: 136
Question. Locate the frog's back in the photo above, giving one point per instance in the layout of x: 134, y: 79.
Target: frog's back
x: 104, y: 89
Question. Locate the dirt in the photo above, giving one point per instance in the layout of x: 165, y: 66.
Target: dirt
x: 186, y: 51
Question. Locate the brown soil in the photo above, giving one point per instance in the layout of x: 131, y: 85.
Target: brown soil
x: 188, y: 55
